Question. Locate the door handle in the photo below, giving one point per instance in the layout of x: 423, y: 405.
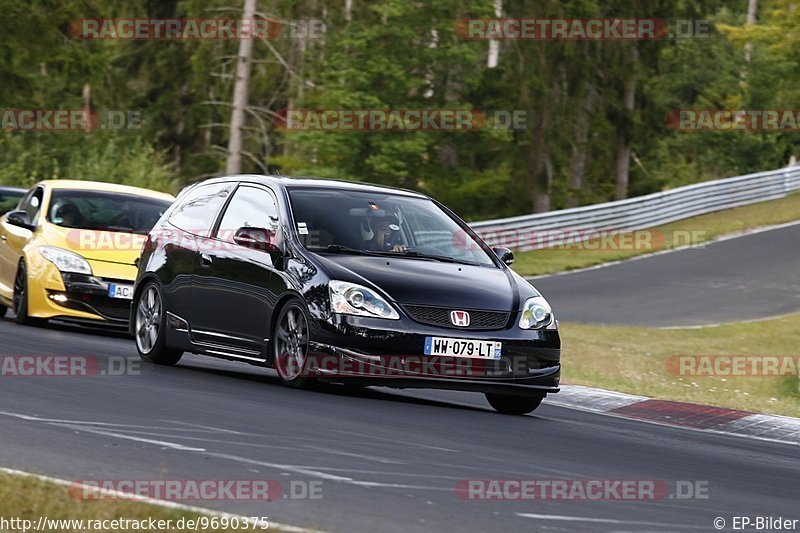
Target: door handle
x: 3, y: 238
x: 206, y: 259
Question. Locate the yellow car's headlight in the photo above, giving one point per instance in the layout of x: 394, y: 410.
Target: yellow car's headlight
x: 66, y: 261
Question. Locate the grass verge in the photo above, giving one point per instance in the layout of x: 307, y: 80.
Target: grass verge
x: 28, y: 498
x: 701, y: 228
x: 635, y: 360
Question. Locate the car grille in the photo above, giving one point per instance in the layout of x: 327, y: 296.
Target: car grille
x: 440, y: 316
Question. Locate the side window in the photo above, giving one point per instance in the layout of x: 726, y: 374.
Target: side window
x: 197, y: 212
x: 250, y: 207
x: 32, y: 203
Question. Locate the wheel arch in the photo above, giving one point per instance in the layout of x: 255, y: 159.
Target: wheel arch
x: 276, y: 311
x: 148, y: 276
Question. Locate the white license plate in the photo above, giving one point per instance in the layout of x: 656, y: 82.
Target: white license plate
x: 463, y: 348
x: 123, y: 292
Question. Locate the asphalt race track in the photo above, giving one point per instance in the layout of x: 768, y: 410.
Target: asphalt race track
x: 386, y: 460
x: 390, y: 460
x: 743, y: 278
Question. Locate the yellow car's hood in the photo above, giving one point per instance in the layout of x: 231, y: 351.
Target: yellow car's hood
x: 106, y: 246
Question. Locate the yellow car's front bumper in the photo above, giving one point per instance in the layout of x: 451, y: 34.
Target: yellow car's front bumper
x: 52, y: 294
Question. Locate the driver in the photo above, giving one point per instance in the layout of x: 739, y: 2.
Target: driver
x: 376, y: 232
x: 68, y: 215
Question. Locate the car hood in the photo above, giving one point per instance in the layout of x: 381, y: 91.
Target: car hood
x: 106, y: 246
x: 422, y: 282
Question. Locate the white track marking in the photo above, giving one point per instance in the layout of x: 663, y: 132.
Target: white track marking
x: 210, y: 428
x: 563, y: 518
x: 394, y: 441
x: 331, y: 451
x: 165, y: 444
x: 311, y: 472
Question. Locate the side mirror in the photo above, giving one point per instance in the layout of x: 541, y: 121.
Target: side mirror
x: 505, y: 255
x: 20, y: 219
x: 256, y: 238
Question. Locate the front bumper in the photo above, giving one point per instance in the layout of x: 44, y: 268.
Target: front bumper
x: 77, y: 297
x: 372, y: 351
x: 89, y: 294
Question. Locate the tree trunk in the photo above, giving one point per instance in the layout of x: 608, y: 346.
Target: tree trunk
x: 541, y: 162
x: 623, y: 142
x: 494, y: 44
x: 87, y: 106
x: 580, y: 146
x: 240, y: 94
x: 752, y: 11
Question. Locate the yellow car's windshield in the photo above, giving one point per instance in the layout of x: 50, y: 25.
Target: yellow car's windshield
x: 105, y: 211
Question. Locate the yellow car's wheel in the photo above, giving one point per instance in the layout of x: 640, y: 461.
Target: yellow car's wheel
x: 3, y: 310
x: 21, y: 299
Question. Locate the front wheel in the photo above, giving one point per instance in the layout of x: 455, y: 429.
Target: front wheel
x: 3, y: 310
x: 290, y: 346
x: 150, y: 327
x: 514, y: 405
x: 21, y: 299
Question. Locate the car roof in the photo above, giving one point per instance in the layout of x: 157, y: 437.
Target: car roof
x: 312, y: 182
x: 104, y: 187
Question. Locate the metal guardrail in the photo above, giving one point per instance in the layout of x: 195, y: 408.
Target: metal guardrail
x: 530, y: 232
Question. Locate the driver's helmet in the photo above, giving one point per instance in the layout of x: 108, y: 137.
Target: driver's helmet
x: 374, y: 216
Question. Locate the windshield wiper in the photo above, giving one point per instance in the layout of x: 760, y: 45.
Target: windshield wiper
x: 338, y: 248
x: 420, y: 255
x: 341, y: 249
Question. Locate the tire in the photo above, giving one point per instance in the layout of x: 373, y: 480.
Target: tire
x: 290, y: 342
x: 3, y: 310
x: 150, y: 327
x: 21, y: 299
x: 514, y: 405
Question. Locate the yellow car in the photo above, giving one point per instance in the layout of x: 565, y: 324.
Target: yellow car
x: 69, y: 251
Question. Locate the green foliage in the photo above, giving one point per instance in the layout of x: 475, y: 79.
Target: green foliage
x: 397, y: 54
x: 123, y: 158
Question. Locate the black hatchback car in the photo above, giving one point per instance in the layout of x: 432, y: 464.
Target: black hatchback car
x: 346, y: 283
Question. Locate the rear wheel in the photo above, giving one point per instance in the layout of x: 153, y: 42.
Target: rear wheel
x: 3, y: 310
x: 514, y: 405
x: 290, y: 345
x: 21, y: 299
x: 149, y: 327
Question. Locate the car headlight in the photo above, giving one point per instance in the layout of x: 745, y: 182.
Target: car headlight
x: 66, y: 261
x: 351, y: 299
x: 536, y: 313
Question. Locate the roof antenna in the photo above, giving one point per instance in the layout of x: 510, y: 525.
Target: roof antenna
x: 275, y: 171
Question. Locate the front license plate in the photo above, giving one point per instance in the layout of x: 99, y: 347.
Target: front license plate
x: 463, y: 348
x: 123, y: 292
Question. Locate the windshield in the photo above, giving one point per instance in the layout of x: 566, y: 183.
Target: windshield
x: 105, y: 211
x: 9, y: 200
x: 342, y: 221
